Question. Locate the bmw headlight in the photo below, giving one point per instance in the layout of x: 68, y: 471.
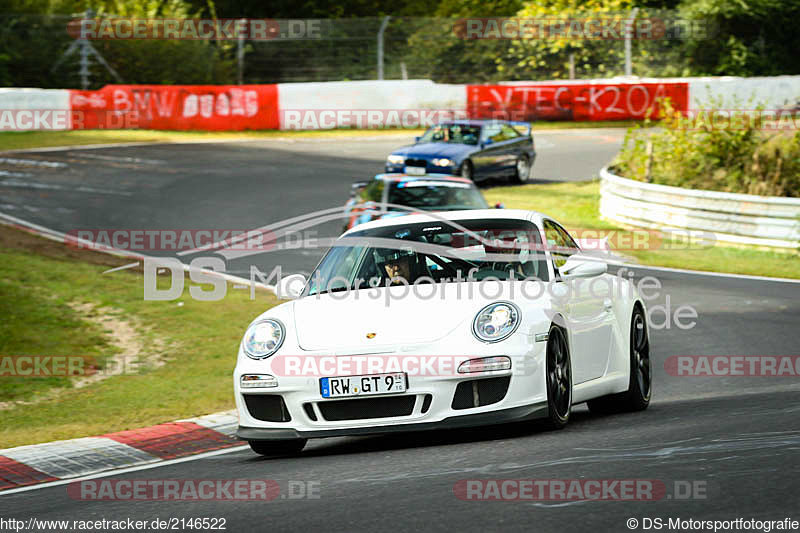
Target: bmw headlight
x: 442, y: 162
x: 263, y: 338
x: 396, y: 159
x: 496, y: 322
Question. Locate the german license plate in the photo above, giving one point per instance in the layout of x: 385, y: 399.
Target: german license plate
x: 344, y: 386
x: 415, y: 171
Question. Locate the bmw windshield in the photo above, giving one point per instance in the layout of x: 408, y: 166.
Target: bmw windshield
x: 452, y: 133
x: 436, y: 195
x: 431, y: 252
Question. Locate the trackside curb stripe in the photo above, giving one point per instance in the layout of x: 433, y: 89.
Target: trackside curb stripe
x: 15, y: 474
x: 137, y: 448
x: 173, y: 440
x: 77, y: 457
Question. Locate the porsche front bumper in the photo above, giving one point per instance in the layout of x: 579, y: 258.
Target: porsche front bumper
x: 296, y: 409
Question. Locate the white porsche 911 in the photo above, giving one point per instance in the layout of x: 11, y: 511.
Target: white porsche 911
x: 442, y: 320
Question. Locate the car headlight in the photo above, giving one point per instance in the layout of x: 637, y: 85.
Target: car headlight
x: 396, y: 159
x: 495, y: 322
x: 442, y: 162
x: 263, y: 338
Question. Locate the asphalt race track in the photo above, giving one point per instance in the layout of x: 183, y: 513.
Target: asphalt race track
x: 234, y: 186
x: 738, y: 437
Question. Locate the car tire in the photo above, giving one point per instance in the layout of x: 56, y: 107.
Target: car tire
x: 522, y: 170
x: 278, y: 447
x: 467, y: 170
x: 640, y: 383
x: 558, y: 378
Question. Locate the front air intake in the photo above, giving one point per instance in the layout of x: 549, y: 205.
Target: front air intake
x: 267, y: 407
x: 480, y: 392
x: 367, y: 408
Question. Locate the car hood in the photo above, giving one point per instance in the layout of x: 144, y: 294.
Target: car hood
x: 436, y: 150
x: 397, y: 317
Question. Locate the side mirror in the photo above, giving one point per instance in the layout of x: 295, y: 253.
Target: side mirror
x: 290, y: 287
x: 486, y: 142
x: 499, y: 205
x: 580, y: 267
x: 417, y: 138
x: 357, y: 187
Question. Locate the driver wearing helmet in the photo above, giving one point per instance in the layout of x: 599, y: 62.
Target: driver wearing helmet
x: 398, y: 269
x: 398, y: 266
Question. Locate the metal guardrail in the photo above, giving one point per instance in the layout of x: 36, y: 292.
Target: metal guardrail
x: 747, y: 219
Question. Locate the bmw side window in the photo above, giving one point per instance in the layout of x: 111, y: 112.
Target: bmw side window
x: 493, y: 133
x: 509, y: 132
x: 470, y: 136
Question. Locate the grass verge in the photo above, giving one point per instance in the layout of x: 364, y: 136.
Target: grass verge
x: 43, y: 289
x: 557, y: 125
x: 576, y: 205
x: 44, y: 139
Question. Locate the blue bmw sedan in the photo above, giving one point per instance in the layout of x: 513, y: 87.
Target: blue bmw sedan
x: 474, y: 149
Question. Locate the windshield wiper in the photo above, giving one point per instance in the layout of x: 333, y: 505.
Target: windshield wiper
x: 335, y: 289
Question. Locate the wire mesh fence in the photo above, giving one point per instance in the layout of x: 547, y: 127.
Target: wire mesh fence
x: 41, y: 51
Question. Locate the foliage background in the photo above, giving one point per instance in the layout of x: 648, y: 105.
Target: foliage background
x: 754, y: 38
x: 690, y: 152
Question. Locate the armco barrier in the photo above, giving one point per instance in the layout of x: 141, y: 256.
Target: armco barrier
x: 586, y: 100
x: 733, y: 218
x: 34, y: 109
x: 389, y: 95
x: 177, y: 107
x: 777, y: 92
x: 385, y: 94
x: 241, y: 107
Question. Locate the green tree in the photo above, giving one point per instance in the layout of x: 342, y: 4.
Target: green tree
x: 548, y: 57
x: 750, y: 37
x: 438, y: 50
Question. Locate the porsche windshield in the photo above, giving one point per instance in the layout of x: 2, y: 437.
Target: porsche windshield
x: 452, y: 133
x: 432, y: 252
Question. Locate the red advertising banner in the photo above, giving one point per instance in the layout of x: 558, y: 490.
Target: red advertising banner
x: 573, y: 101
x: 176, y: 107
